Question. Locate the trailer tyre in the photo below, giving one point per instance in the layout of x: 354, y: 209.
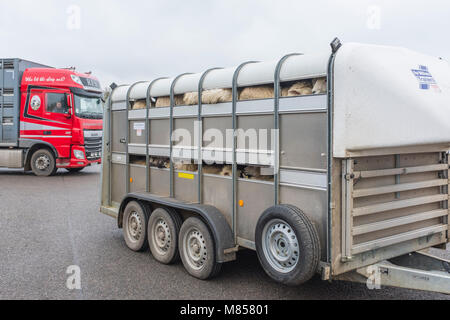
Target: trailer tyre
x: 287, y: 245
x: 163, y: 230
x: 43, y: 163
x: 135, y: 219
x: 197, y: 249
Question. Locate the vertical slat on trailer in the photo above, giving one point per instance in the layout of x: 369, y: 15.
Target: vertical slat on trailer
x: 200, y: 135
x: 276, y: 112
x: 347, y: 208
x: 234, y: 124
x: 172, y: 105
x: 127, y: 137
x: 147, y: 130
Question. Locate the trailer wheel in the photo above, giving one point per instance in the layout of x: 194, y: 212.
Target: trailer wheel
x: 43, y: 163
x: 287, y: 245
x: 197, y: 249
x: 163, y: 231
x: 135, y: 220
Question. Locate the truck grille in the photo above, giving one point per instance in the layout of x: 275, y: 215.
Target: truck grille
x: 93, y: 144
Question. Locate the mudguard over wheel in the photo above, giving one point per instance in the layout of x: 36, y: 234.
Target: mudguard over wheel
x: 287, y: 245
x: 135, y: 219
x: 163, y: 231
x: 197, y: 249
x: 43, y: 163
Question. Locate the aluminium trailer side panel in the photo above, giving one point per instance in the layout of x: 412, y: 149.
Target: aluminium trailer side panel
x: 11, y: 71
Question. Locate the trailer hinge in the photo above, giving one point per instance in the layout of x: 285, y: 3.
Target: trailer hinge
x: 349, y: 176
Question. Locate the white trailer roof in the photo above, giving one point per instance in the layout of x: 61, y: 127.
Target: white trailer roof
x: 294, y: 68
x: 386, y: 97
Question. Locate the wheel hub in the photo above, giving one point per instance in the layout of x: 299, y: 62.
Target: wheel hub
x: 162, y: 236
x: 280, y: 245
x: 195, y: 247
x: 42, y: 162
x: 134, y: 226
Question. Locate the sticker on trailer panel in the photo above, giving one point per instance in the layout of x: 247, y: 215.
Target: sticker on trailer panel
x: 426, y: 80
x: 35, y: 103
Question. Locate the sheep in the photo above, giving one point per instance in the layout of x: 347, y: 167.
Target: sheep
x: 139, y: 104
x: 190, y: 98
x: 257, y: 92
x: 254, y: 173
x: 217, y: 96
x: 165, y: 101
x: 160, y: 163
x: 212, y: 169
x: 300, y: 88
x: 185, y: 166
x: 319, y: 85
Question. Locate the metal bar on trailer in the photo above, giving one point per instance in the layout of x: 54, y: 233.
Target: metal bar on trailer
x: 234, y: 165
x: 399, y: 188
x: 402, y: 237
x: 200, y: 136
x: 403, y: 171
x: 172, y: 105
x: 396, y: 222
x: 399, y: 204
x: 335, y: 45
x: 276, y: 113
x: 127, y: 137
x: 347, y: 208
x: 147, y: 131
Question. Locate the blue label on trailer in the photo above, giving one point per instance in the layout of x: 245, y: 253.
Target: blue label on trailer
x: 426, y: 80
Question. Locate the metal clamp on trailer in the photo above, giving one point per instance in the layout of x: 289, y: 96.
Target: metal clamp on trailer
x: 351, y: 189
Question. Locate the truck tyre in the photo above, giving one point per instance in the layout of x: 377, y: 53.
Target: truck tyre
x: 74, y: 170
x: 43, y: 163
x: 197, y: 249
x: 135, y: 218
x: 163, y: 231
x: 287, y: 245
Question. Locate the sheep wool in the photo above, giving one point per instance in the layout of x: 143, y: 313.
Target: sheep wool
x: 320, y: 85
x: 300, y: 88
x: 257, y: 92
x: 139, y: 105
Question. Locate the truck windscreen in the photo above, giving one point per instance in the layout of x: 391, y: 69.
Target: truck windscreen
x: 88, y: 107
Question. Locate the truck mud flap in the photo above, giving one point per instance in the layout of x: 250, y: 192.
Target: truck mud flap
x: 223, y: 235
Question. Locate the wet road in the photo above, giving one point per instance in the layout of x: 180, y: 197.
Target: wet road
x: 49, y: 224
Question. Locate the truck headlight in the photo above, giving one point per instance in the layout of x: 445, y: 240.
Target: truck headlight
x: 79, y: 154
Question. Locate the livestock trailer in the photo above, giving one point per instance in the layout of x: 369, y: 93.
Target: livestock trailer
x: 356, y: 176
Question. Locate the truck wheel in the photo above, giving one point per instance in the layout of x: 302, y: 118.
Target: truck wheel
x: 197, y: 249
x: 135, y: 218
x: 74, y: 170
x: 287, y: 245
x: 43, y: 163
x: 163, y: 230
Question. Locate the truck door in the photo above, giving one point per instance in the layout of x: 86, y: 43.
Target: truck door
x: 58, y: 116
x: 48, y: 117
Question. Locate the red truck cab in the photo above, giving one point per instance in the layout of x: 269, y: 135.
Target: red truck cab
x: 49, y: 118
x: 62, y: 109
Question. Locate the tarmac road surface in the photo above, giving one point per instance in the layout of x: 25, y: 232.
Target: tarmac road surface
x: 49, y: 224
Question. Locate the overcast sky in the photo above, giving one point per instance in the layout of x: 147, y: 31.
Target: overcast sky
x: 126, y: 41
